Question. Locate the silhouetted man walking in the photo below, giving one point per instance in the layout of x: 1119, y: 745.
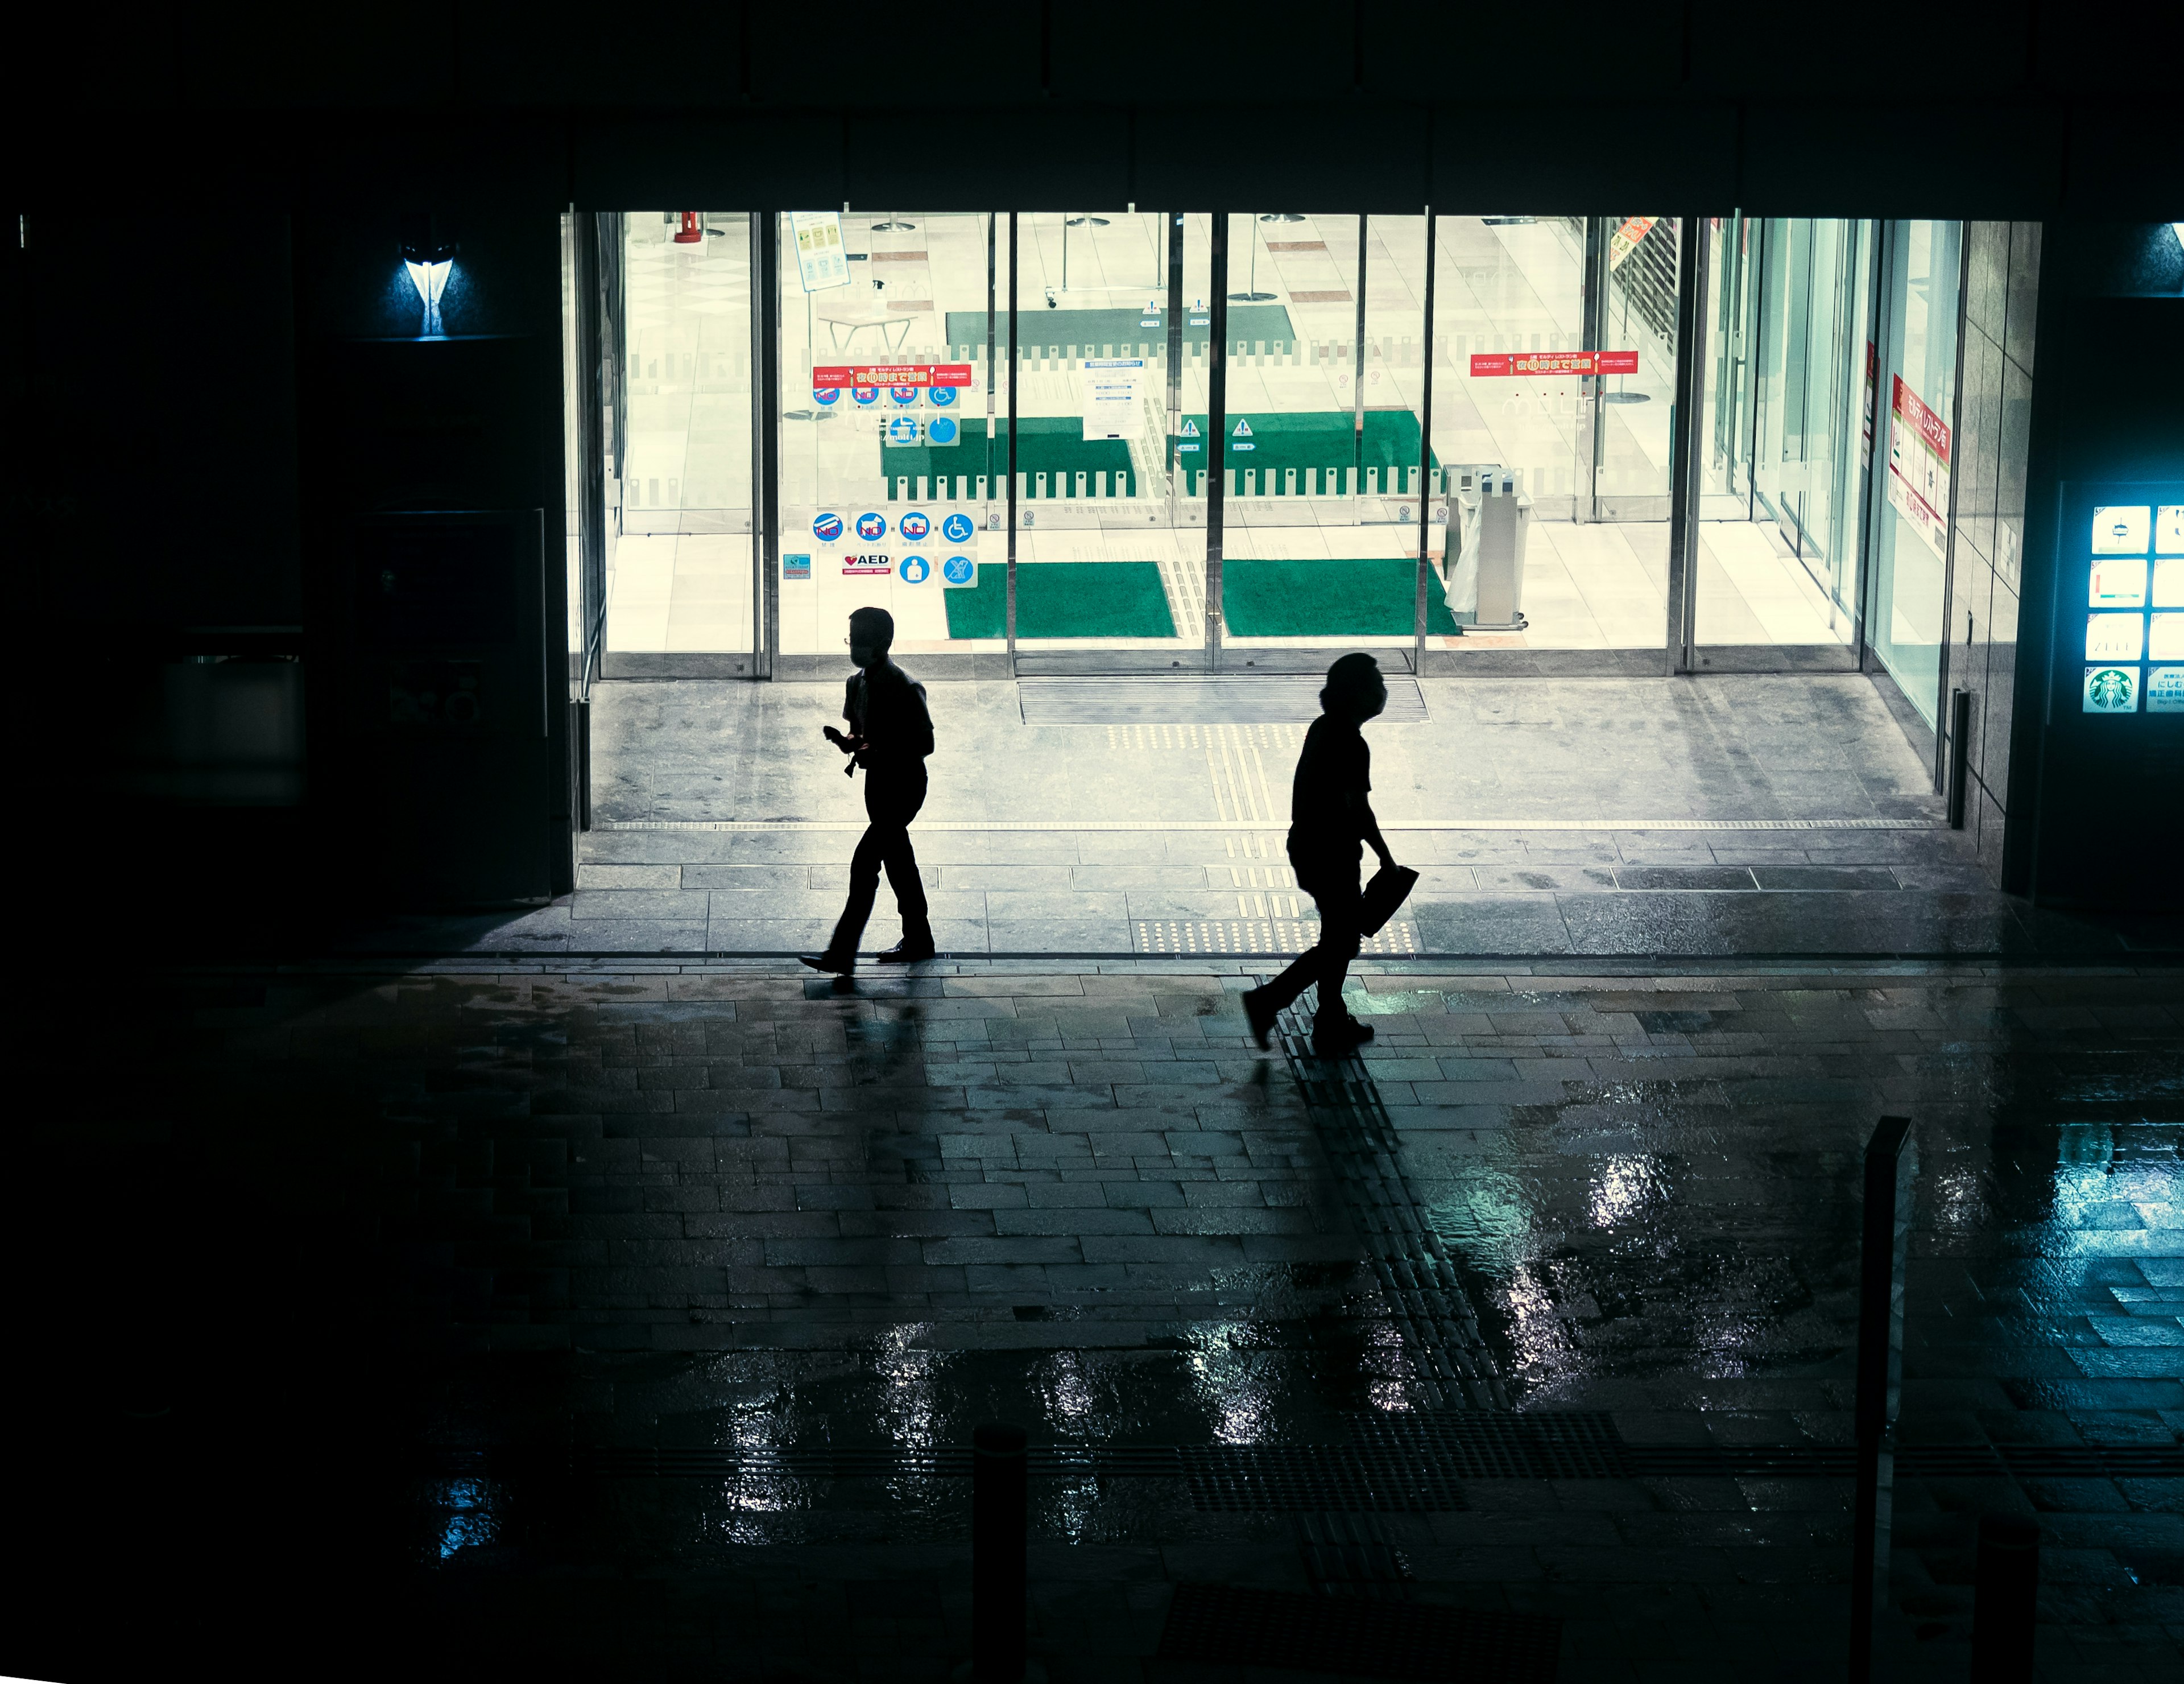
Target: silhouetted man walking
x: 890, y: 734
x: 1328, y: 816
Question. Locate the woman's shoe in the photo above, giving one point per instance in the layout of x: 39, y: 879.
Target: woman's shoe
x: 1340, y: 1038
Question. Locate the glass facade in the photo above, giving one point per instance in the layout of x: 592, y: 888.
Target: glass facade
x: 1914, y: 462
x: 1445, y: 434
x: 1787, y: 435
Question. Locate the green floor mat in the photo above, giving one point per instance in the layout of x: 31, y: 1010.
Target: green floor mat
x: 1369, y: 599
x: 1325, y: 439
x: 1064, y: 599
x: 1053, y: 445
x: 1107, y: 333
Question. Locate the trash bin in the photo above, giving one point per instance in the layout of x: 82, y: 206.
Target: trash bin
x: 1483, y: 556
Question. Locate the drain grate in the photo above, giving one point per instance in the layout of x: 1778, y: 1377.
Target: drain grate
x: 1258, y: 935
x: 1351, y: 1555
x: 1227, y: 1627
x: 1289, y: 1479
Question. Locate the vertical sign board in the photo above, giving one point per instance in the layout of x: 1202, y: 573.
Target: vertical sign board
x: 2123, y: 580
x: 1113, y: 408
x: 1918, y: 466
x: 821, y: 259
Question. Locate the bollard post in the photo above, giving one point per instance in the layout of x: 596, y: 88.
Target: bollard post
x: 999, y: 1495
x: 1890, y: 1161
x: 2004, y: 1600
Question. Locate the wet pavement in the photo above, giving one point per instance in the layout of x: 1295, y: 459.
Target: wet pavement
x: 630, y: 1320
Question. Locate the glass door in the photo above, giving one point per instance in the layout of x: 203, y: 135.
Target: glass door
x: 1327, y: 351
x: 1112, y: 324
x: 680, y: 568
x: 893, y: 381
x: 1554, y: 344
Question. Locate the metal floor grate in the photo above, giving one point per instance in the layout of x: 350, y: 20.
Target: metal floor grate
x: 1318, y: 1478
x: 1228, y: 1626
x: 1392, y: 1465
x: 1482, y: 1444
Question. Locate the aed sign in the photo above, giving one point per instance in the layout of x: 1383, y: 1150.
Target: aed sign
x: 866, y: 567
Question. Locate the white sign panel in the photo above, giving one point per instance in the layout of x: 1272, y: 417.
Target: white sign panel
x: 1112, y: 389
x: 822, y: 258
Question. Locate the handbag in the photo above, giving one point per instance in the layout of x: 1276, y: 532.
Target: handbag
x: 1390, y: 887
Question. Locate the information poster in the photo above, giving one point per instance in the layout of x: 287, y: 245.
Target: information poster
x: 1918, y: 466
x: 821, y: 259
x: 1497, y: 363
x: 1112, y: 390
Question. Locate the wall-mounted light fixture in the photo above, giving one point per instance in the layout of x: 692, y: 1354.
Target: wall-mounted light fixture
x: 428, y: 257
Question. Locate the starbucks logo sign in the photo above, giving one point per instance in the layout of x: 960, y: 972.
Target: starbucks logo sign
x: 2111, y: 689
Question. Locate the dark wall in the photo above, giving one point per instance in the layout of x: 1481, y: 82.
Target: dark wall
x: 433, y: 492
x: 2096, y: 802
x: 1374, y: 105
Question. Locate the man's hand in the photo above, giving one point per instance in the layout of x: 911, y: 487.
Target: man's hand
x: 848, y: 745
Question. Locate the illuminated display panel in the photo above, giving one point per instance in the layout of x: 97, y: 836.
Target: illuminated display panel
x: 2130, y: 540
x: 2118, y: 582
x: 2115, y: 637
x: 2122, y: 529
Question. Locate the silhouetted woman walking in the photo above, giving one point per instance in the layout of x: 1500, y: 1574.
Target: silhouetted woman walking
x: 1329, y: 816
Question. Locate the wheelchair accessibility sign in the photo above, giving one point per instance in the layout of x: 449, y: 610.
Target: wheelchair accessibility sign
x: 957, y: 528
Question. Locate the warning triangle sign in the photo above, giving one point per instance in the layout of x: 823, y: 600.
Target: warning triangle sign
x: 1243, y: 430
x: 1190, y: 429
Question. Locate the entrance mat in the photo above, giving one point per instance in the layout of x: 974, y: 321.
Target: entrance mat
x: 1373, y: 597
x: 1119, y: 332
x: 1045, y: 444
x: 1064, y: 599
x: 1225, y: 1625
x: 1325, y: 439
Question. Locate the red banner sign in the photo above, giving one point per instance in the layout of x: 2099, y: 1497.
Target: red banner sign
x: 1556, y: 362
x: 894, y: 374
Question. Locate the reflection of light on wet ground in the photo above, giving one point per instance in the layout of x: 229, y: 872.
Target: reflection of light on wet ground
x: 910, y: 1406
x: 1627, y: 1188
x: 1238, y: 1395
x: 1389, y: 1389
x: 471, y: 1519
x: 1072, y: 1399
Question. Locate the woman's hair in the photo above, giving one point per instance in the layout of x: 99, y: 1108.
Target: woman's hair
x: 872, y: 626
x: 1350, y: 681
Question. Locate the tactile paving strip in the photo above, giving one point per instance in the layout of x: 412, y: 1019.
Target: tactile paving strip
x: 1418, y: 1276
x: 1226, y: 1625
x: 1257, y: 935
